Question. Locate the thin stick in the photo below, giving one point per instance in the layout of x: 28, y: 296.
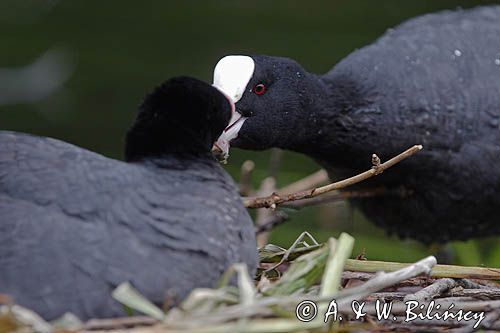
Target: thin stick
x: 338, y: 196
x: 439, y: 271
x: 430, y: 292
x: 276, y: 199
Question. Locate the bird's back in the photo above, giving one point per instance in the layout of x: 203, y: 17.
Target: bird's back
x: 74, y: 224
x: 433, y: 80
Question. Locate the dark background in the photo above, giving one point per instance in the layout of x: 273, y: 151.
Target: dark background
x: 119, y: 50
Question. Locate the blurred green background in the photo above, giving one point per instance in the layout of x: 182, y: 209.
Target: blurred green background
x: 119, y: 50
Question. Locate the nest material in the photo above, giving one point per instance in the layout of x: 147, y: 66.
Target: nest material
x: 319, y: 273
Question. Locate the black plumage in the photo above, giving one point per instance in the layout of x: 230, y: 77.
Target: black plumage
x: 75, y: 224
x: 434, y: 80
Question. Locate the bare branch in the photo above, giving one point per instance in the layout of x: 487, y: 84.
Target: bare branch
x: 276, y: 199
x: 336, y: 196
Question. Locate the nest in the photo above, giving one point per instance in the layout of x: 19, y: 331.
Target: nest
x: 309, y: 287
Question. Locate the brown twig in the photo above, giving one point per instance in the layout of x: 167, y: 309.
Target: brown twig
x: 276, y: 199
x: 336, y: 196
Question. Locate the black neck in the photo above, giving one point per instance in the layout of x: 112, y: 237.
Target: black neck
x: 303, y: 138
x: 336, y: 132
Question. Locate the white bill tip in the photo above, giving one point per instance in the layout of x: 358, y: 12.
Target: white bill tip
x: 231, y: 76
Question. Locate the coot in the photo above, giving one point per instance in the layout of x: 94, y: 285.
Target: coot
x: 434, y: 80
x: 75, y: 224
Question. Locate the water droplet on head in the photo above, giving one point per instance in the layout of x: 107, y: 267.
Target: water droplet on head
x: 497, y: 62
x: 457, y: 53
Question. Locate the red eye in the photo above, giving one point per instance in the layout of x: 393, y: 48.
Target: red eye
x: 259, y: 89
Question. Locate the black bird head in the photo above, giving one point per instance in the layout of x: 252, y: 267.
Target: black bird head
x: 272, y: 95
x: 181, y: 116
